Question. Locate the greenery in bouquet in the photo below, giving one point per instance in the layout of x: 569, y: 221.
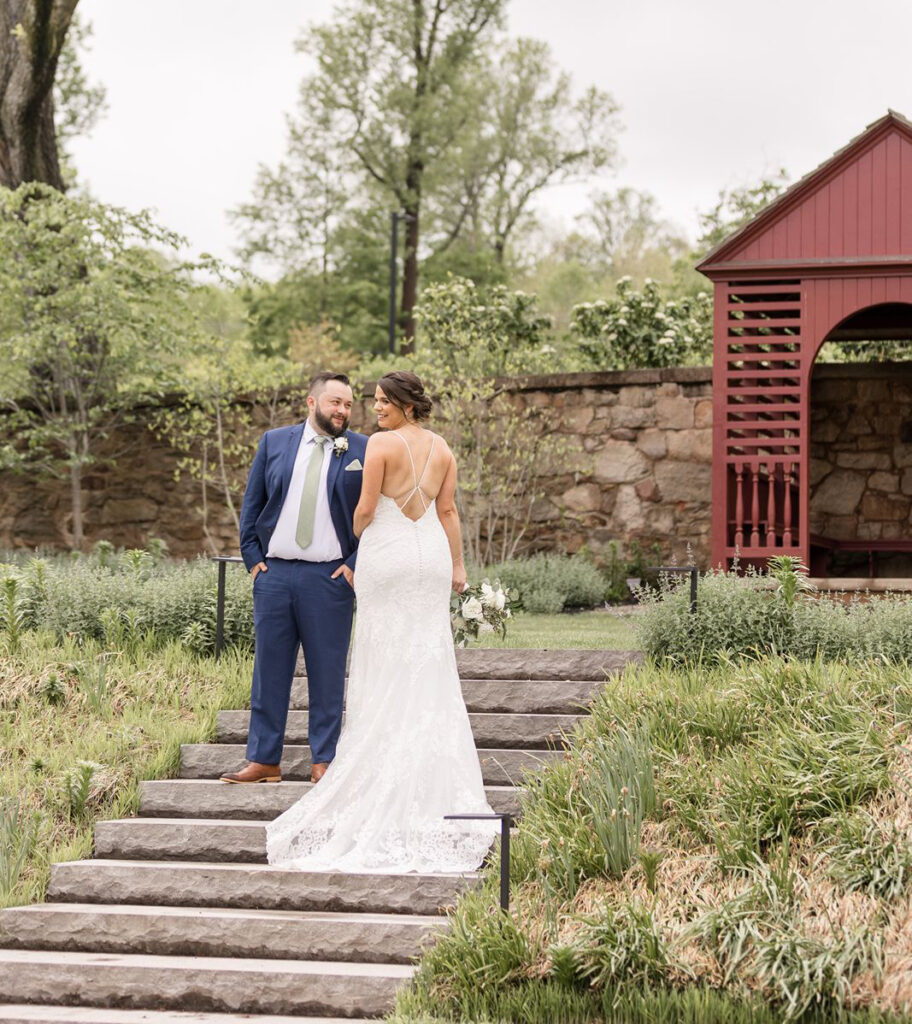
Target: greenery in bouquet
x: 481, y: 608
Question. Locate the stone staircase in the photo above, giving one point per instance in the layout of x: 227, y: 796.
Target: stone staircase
x: 179, y: 918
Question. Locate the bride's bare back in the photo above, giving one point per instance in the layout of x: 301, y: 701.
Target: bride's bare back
x: 415, y: 468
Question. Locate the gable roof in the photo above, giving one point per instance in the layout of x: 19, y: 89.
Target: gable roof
x: 779, y: 234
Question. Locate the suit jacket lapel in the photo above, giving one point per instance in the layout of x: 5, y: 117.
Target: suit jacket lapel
x: 294, y: 440
x: 335, y: 464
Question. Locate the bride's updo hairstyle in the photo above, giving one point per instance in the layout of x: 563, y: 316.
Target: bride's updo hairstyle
x: 403, y: 389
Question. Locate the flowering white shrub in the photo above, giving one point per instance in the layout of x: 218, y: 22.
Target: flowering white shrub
x: 644, y: 329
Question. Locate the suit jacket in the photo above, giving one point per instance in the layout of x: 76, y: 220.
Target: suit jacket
x: 268, y: 483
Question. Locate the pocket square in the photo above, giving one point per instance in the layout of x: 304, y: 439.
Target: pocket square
x: 353, y: 465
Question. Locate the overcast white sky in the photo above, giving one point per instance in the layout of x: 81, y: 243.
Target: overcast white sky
x: 713, y: 93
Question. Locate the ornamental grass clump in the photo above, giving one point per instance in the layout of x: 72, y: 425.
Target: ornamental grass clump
x: 762, y: 873
x: 17, y: 837
x: 80, y: 726
x: 583, y: 818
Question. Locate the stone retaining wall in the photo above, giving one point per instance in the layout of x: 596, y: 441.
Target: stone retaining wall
x: 861, y: 459
x: 638, y: 467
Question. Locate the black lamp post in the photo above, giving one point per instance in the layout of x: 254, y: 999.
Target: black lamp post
x: 395, y: 217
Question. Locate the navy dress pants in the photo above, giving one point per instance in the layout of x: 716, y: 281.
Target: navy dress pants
x: 299, y: 604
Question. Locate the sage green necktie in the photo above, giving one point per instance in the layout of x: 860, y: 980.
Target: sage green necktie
x: 308, y: 510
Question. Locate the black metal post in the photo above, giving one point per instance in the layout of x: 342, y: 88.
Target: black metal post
x: 506, y: 823
x: 394, y: 232
x: 220, y: 611
x: 694, y: 579
x: 222, y: 561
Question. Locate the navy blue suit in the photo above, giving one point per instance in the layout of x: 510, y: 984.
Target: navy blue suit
x: 298, y: 603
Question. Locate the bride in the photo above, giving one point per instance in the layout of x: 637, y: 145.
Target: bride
x: 406, y: 756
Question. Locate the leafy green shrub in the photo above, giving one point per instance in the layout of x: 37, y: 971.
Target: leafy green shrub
x: 13, y: 610
x: 126, y: 600
x: 53, y: 689
x: 547, y: 584
x: 757, y: 613
x: 644, y: 328
x: 77, y: 786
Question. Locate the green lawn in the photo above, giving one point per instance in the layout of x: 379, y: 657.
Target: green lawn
x: 591, y: 630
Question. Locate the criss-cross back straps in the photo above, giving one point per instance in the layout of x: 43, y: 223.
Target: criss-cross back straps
x: 418, y: 480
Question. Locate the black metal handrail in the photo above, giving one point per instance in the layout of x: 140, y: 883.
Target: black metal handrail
x: 506, y: 823
x: 222, y: 561
x: 694, y: 579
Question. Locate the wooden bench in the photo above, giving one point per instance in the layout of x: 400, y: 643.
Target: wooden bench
x: 896, y: 546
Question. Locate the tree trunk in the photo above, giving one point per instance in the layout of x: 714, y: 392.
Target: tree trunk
x: 32, y: 33
x: 410, y: 280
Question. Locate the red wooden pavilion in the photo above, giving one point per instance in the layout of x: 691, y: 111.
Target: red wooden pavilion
x: 829, y: 260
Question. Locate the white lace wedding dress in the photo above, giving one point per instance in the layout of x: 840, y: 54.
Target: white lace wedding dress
x: 406, y: 756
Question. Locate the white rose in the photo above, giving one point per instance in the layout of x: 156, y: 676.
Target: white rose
x: 488, y: 597
x: 472, y: 609
x: 500, y: 600
x: 485, y: 627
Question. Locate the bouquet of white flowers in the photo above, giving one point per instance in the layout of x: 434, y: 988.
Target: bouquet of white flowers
x: 481, y: 608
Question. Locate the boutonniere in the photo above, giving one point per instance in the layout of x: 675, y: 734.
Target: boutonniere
x: 340, y: 446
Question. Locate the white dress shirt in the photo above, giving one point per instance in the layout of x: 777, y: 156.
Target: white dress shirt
x: 324, y: 545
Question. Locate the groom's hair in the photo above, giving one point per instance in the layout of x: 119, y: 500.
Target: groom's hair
x: 319, y: 381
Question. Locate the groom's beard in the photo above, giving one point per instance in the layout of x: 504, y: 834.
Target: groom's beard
x: 328, y: 426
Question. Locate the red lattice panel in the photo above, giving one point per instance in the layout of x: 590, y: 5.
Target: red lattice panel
x: 764, y: 416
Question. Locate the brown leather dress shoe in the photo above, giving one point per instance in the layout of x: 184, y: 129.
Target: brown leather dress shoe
x: 254, y: 772
x: 318, y: 770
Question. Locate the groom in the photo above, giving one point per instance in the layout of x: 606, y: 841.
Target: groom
x: 298, y: 544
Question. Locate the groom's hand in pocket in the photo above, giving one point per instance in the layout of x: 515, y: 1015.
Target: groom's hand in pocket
x: 344, y: 570
x: 258, y: 568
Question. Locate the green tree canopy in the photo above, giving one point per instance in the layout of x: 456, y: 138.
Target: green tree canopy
x: 94, y: 319
x: 736, y: 207
x: 425, y: 108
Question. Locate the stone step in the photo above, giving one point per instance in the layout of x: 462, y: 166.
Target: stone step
x: 198, y: 798
x: 514, y: 696
x: 216, y: 840
x: 499, y: 767
x: 184, y: 839
x: 489, y: 730
x: 219, y: 984
x: 216, y: 931
x: 22, y: 1013
x: 524, y: 663
x: 251, y: 886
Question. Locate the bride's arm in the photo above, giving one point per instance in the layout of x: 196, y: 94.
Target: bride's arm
x: 371, y: 482
x: 449, y: 517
